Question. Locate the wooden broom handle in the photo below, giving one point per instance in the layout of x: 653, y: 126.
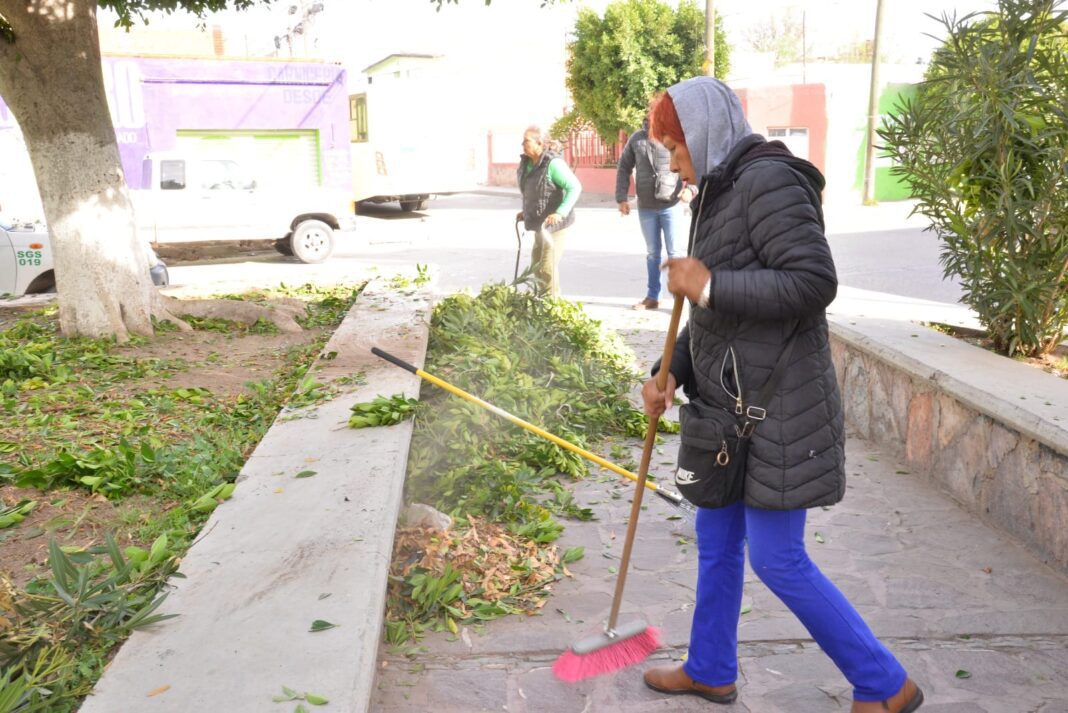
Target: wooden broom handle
x: 643, y: 469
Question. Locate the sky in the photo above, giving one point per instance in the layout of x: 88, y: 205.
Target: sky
x: 359, y: 32
x: 510, y: 55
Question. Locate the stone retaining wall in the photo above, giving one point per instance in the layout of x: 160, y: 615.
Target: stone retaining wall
x: 969, y: 445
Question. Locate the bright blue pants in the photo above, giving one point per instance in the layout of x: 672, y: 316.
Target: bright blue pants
x: 777, y: 555
x: 669, y: 223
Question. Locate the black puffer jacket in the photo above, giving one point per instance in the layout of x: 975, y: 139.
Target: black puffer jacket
x: 760, y: 232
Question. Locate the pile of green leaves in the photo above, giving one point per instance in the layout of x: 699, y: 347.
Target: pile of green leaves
x: 542, y: 360
x: 546, y: 362
x: 13, y: 515
x: 383, y: 411
x: 984, y: 145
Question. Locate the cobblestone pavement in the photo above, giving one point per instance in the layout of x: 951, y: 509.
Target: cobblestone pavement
x: 976, y: 619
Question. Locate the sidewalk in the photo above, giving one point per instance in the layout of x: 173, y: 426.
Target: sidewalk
x: 977, y: 620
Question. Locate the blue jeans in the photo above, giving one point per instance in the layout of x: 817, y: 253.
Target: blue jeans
x: 777, y: 555
x: 654, y: 222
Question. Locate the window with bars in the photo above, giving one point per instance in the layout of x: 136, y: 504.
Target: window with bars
x: 795, y: 138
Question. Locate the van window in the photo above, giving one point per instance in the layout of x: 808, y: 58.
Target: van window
x: 171, y: 175
x: 358, y: 118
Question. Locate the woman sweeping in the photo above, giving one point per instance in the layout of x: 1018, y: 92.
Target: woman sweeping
x: 755, y: 356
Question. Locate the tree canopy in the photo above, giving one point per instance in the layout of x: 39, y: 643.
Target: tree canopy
x: 640, y: 47
x: 129, y: 10
x: 442, y: 3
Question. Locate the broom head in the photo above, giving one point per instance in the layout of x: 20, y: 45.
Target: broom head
x: 604, y: 653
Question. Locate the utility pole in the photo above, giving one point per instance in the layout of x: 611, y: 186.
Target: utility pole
x: 710, y: 39
x: 873, y: 109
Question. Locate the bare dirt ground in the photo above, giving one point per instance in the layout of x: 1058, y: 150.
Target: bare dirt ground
x: 222, y: 362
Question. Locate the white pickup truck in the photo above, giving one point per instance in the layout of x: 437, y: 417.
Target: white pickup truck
x: 186, y: 199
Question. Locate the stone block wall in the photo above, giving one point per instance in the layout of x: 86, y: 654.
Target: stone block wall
x: 1002, y: 474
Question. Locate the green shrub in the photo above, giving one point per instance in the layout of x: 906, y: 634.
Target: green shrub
x: 984, y: 145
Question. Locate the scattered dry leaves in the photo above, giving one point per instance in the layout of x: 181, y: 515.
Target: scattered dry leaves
x: 495, y: 565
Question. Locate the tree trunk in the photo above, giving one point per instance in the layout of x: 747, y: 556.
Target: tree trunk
x: 52, y: 79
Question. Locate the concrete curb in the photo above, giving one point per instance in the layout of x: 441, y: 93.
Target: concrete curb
x: 985, y: 382
x: 285, y: 552
x: 990, y: 431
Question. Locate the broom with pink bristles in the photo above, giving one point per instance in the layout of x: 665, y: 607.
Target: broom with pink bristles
x: 621, y: 646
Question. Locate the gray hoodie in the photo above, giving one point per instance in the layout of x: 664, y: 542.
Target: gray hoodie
x: 712, y: 120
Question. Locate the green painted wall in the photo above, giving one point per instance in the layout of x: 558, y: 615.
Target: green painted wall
x: 887, y: 186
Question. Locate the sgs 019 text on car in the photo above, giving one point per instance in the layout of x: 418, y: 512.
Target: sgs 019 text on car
x: 28, y: 257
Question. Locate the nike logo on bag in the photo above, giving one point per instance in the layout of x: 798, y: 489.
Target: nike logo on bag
x: 685, y: 477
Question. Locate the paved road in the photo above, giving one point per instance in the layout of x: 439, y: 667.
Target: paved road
x: 472, y: 238
x: 605, y: 253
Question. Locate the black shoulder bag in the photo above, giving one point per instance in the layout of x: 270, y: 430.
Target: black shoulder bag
x: 715, y: 440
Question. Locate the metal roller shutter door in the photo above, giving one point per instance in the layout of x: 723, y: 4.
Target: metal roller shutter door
x: 273, y: 158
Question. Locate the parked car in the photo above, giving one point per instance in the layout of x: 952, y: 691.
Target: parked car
x: 26, y: 262
x: 184, y: 199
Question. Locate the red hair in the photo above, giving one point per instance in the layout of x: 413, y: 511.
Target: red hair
x: 664, y: 120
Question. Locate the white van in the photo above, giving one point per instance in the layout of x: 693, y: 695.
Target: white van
x: 408, y: 140
x: 186, y: 199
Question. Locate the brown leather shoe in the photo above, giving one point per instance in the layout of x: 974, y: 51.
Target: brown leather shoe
x: 647, y: 304
x: 675, y: 680
x: 907, y: 700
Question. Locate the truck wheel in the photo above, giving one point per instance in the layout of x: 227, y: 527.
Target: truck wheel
x: 417, y: 204
x: 284, y: 245
x: 312, y: 241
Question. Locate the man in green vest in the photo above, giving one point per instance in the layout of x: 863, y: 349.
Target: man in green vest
x: 550, y: 190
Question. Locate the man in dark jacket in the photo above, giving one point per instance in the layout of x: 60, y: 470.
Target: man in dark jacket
x: 550, y: 190
x: 660, y: 194
x: 759, y: 277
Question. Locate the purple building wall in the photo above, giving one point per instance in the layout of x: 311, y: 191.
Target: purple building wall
x: 151, y: 99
